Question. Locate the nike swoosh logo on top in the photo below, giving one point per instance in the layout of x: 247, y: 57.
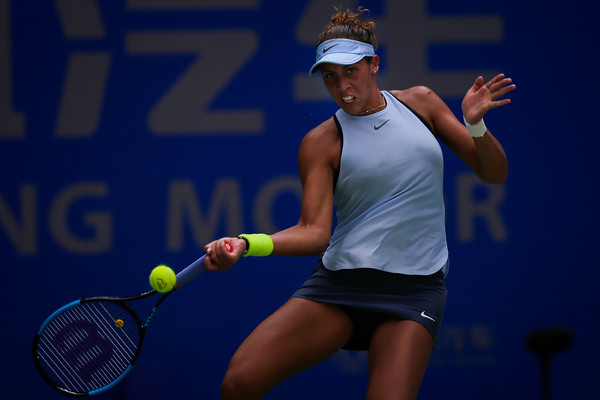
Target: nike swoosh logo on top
x: 427, y: 316
x: 376, y: 127
x: 326, y: 49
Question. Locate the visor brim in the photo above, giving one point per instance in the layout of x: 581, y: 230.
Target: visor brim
x: 336, y: 58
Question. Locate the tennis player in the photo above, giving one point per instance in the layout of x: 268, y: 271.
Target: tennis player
x: 379, y: 285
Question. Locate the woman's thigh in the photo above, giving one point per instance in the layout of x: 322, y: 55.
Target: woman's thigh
x: 300, y: 334
x: 398, y: 356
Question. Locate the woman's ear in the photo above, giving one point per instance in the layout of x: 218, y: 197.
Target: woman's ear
x: 375, y: 64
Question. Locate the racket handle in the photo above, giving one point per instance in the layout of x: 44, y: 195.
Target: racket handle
x: 192, y: 271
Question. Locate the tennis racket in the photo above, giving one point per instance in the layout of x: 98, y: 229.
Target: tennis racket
x: 89, y: 345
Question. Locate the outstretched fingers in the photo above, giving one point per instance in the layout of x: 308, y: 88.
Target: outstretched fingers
x: 499, y: 86
x: 482, y: 97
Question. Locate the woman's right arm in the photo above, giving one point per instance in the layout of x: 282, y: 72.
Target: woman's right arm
x: 318, y: 159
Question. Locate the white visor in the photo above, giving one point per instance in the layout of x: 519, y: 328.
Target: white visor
x: 342, y: 52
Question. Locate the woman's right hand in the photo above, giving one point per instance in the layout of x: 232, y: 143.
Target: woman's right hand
x: 223, y: 253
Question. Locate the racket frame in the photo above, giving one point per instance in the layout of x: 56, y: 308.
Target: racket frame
x: 121, y: 302
x: 183, y: 278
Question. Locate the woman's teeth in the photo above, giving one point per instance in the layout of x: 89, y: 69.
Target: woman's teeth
x: 348, y: 99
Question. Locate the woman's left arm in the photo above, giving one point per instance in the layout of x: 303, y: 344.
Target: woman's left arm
x: 483, y: 154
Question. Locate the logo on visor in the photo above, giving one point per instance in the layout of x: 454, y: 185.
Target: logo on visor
x: 326, y: 49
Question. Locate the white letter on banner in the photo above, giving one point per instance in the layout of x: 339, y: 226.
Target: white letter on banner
x: 183, y: 206
x: 83, y: 95
x: 12, y: 123
x: 87, y: 72
x: 186, y: 107
x: 468, y: 209
x: 80, y: 19
x: 100, y: 222
x: 23, y: 237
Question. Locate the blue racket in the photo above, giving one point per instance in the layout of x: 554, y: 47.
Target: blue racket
x: 89, y: 345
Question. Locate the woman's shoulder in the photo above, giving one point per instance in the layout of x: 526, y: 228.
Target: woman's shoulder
x: 422, y: 99
x: 414, y: 94
x: 325, y: 131
x: 322, y: 143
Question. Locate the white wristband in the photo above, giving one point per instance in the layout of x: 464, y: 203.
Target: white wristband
x: 476, y: 130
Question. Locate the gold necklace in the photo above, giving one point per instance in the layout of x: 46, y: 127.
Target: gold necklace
x: 374, y: 108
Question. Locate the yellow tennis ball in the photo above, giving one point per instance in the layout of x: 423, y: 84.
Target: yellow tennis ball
x: 162, y: 278
x: 119, y: 323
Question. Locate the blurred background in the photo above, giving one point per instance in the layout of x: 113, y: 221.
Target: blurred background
x: 133, y: 132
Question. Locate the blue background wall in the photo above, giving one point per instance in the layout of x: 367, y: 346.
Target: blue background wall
x: 133, y: 132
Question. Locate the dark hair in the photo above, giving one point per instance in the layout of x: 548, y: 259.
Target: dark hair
x: 347, y: 25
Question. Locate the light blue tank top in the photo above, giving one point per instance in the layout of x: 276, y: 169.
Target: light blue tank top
x: 389, y: 195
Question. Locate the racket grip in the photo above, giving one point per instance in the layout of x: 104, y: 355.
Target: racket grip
x: 190, y: 273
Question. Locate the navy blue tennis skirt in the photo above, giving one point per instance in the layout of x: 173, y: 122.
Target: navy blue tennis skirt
x: 370, y: 296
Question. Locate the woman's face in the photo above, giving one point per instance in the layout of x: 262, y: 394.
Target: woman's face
x: 353, y: 87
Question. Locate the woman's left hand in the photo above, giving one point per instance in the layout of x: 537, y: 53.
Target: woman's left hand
x: 481, y: 98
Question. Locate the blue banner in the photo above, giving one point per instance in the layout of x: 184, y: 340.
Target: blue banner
x: 133, y: 132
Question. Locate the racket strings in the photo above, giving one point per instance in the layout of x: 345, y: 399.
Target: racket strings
x: 71, y: 364
x: 83, y: 349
